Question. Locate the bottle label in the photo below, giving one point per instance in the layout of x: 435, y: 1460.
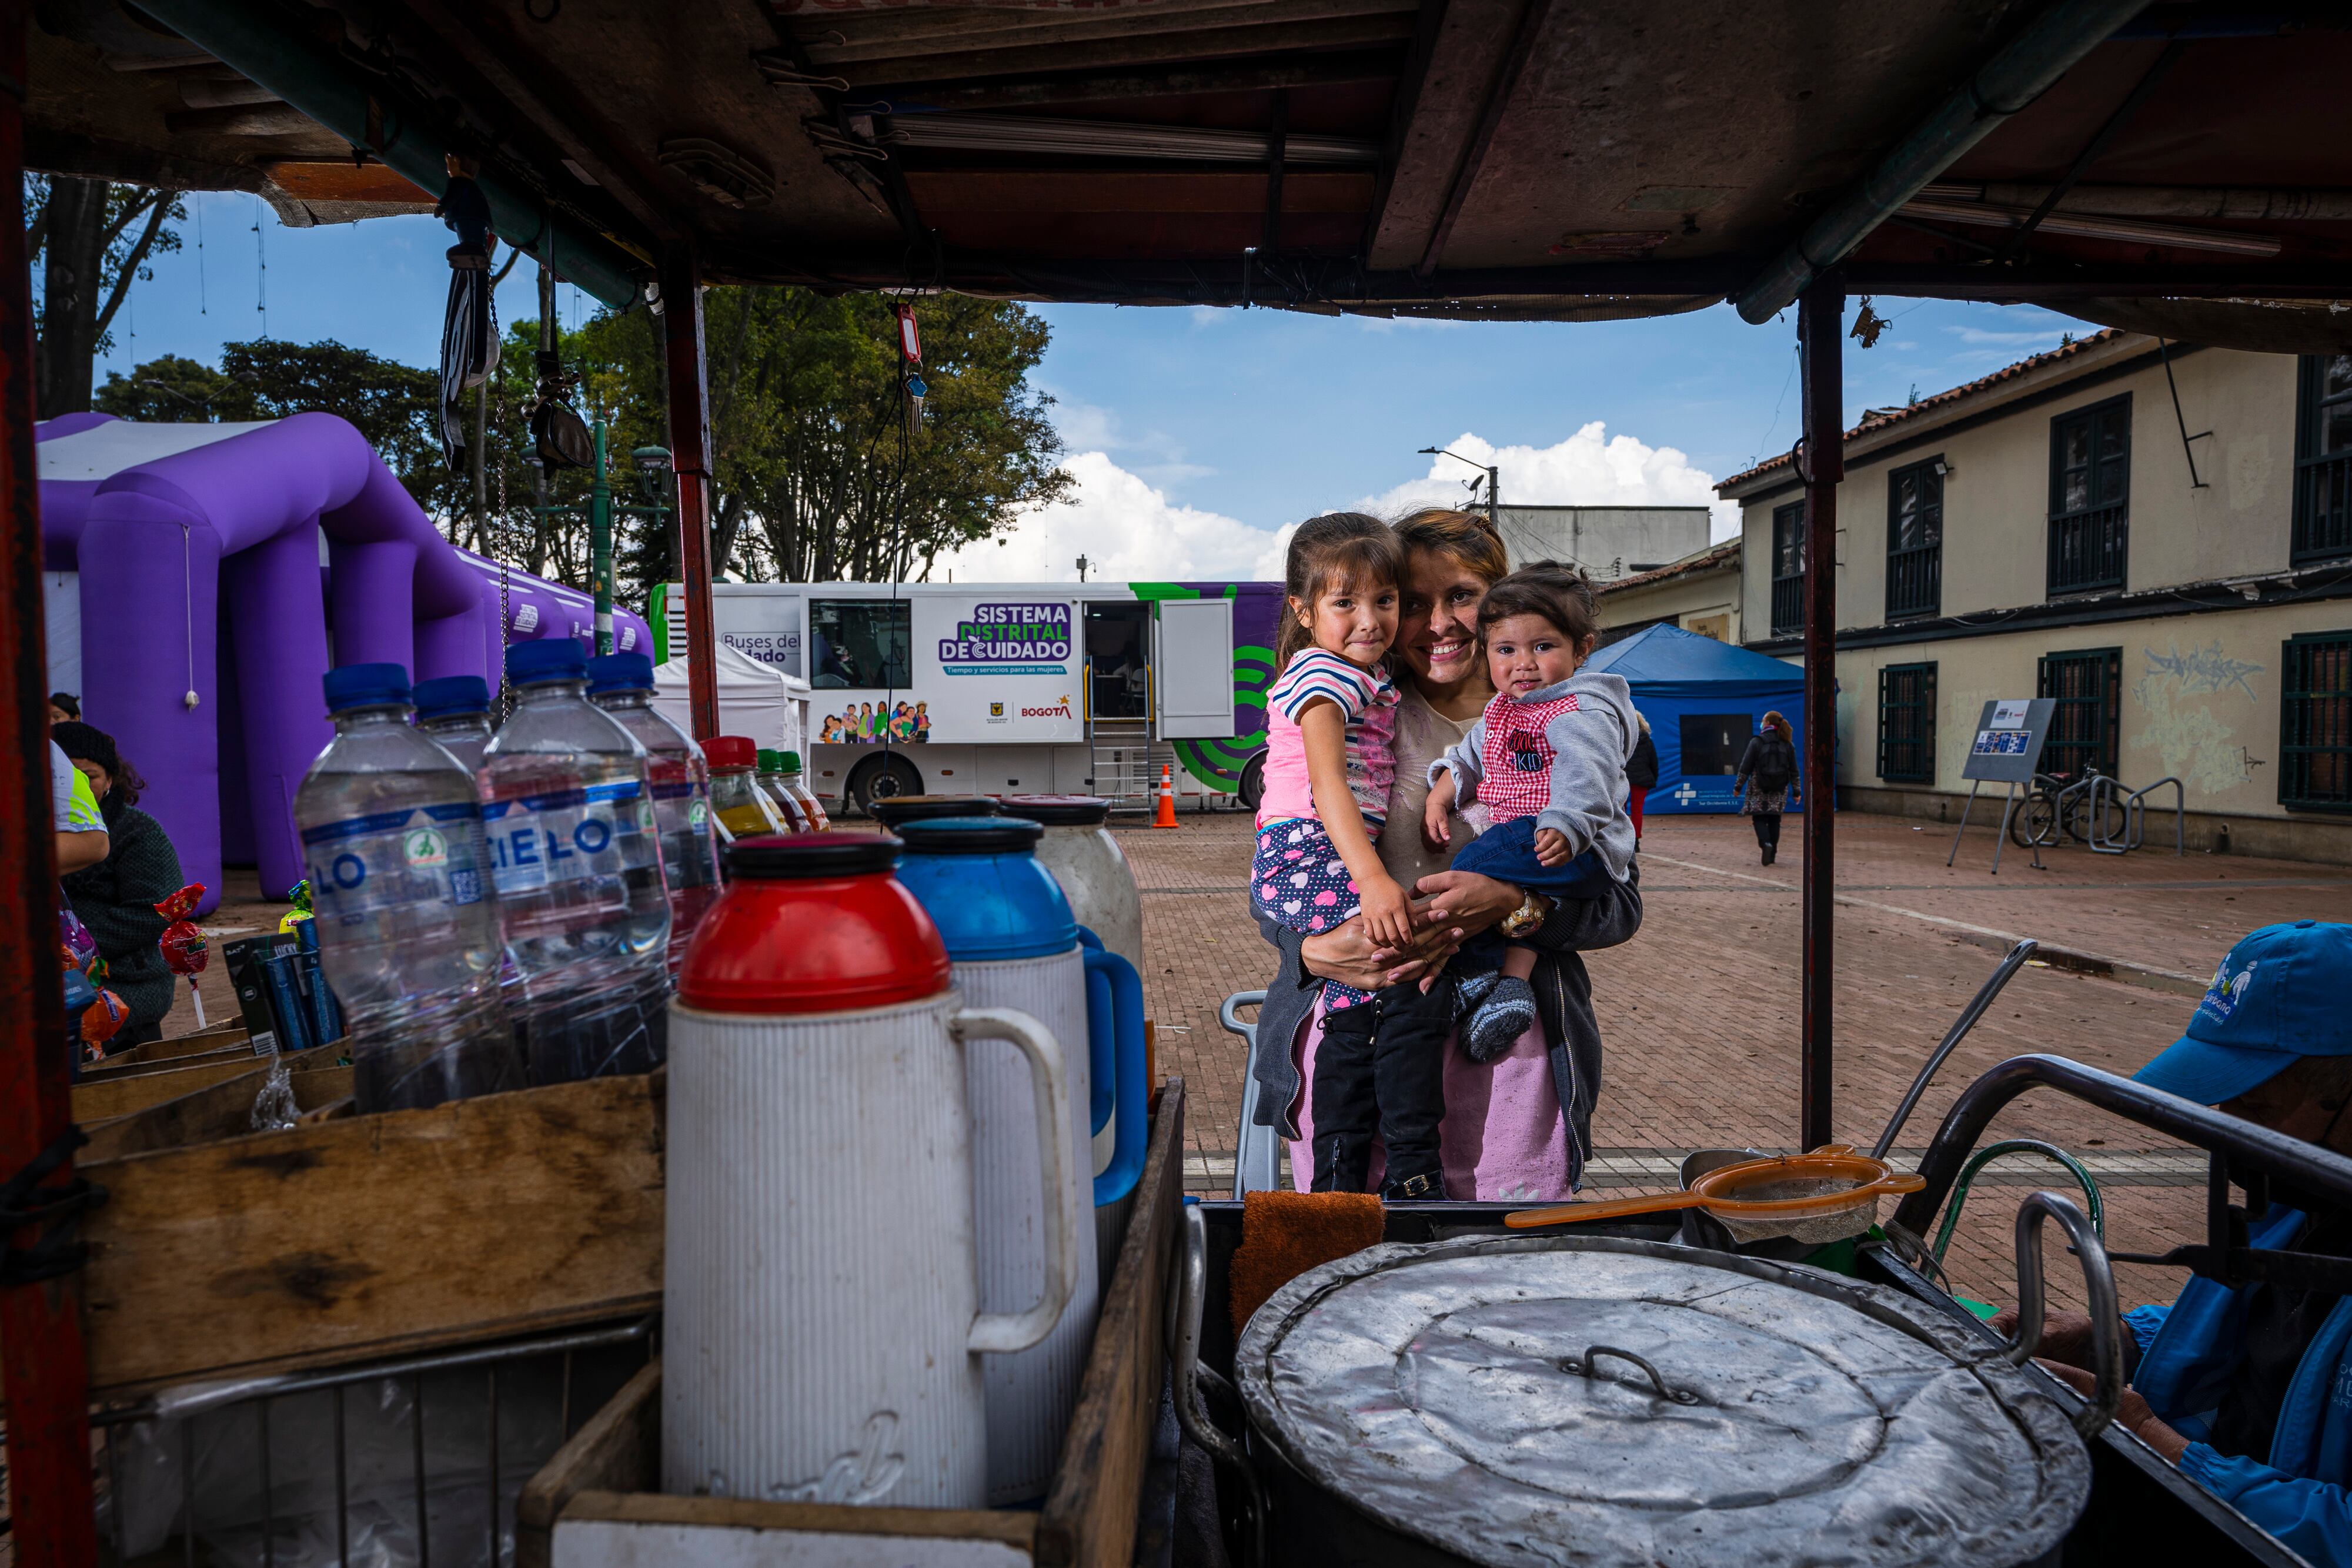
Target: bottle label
x: 418, y: 854
x: 537, y: 842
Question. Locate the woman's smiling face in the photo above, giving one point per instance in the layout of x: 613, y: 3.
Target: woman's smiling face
x: 1437, y: 622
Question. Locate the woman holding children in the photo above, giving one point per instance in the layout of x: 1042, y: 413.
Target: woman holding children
x: 1386, y: 674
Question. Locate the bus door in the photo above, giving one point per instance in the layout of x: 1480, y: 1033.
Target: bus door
x: 1192, y: 669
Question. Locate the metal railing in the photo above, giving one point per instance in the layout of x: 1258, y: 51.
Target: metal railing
x: 2087, y: 548
x: 1788, y: 604
x: 1914, y: 582
x: 342, y: 1464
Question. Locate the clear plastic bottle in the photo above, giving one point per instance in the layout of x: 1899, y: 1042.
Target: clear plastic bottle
x: 407, y: 926
x: 771, y: 780
x: 795, y: 781
x: 455, y: 711
x: 623, y: 685
x: 577, y: 861
x: 737, y: 803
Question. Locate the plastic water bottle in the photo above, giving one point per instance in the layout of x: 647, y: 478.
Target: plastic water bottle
x: 408, y: 927
x: 455, y: 711
x: 623, y: 685
x: 795, y: 780
x: 770, y: 777
x: 741, y: 808
x: 577, y: 861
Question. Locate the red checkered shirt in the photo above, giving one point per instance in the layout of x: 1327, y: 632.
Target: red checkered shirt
x: 1516, y: 759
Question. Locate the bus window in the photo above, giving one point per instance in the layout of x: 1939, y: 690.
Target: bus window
x: 860, y: 643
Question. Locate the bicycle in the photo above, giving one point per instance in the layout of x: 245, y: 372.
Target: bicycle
x: 2059, y: 806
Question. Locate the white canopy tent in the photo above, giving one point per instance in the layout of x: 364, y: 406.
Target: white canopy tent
x: 755, y: 699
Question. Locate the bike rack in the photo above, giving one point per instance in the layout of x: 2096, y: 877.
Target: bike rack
x: 2135, y: 808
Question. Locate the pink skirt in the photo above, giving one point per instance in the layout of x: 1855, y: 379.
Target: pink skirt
x: 1503, y: 1139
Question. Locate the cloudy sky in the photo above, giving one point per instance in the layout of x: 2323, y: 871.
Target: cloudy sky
x: 1196, y: 436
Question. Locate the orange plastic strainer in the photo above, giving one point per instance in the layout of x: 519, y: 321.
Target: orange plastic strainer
x: 1823, y: 1197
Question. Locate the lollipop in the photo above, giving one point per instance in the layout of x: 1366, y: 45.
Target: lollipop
x: 183, y: 945
x: 103, y: 1022
x: 300, y: 893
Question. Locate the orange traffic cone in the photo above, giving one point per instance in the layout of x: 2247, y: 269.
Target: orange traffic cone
x: 1167, y: 817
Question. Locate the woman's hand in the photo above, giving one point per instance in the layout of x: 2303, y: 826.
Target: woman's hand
x: 1474, y: 902
x: 2132, y: 1412
x: 1349, y: 955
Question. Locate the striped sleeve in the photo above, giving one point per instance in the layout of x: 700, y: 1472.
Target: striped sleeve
x: 1316, y: 674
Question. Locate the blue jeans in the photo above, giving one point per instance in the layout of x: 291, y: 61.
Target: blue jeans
x: 1507, y: 851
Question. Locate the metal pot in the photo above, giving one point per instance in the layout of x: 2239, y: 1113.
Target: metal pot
x: 1605, y: 1402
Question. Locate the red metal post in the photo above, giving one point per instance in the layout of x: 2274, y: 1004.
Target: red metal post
x: 1821, y: 319
x: 689, y: 447
x: 44, y: 1370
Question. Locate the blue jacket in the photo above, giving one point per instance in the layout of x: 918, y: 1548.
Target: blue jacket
x: 2189, y: 1352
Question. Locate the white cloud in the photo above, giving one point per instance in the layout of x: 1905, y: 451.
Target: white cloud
x: 1128, y: 529
x: 1591, y: 468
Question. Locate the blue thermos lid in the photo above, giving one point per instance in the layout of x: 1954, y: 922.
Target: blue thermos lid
x: 980, y: 881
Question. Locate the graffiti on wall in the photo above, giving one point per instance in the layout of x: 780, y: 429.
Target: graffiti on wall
x: 2192, y: 741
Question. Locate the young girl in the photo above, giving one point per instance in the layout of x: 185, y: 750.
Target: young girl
x: 1330, y: 722
x: 1548, y: 761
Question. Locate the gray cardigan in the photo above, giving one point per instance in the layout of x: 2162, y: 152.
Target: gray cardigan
x: 1563, y: 998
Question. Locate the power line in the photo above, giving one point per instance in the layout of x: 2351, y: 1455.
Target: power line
x: 201, y: 307
x: 261, y: 251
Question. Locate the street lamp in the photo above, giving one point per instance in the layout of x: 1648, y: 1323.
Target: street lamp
x: 1494, y: 482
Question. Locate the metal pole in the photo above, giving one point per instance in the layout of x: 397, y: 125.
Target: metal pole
x: 600, y: 544
x: 690, y: 446
x: 44, y: 1366
x: 1821, y: 314
x: 1495, y: 497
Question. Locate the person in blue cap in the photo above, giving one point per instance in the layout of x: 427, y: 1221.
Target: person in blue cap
x: 2249, y: 1391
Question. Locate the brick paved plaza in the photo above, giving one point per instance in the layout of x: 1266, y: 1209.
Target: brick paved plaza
x: 1699, y: 1011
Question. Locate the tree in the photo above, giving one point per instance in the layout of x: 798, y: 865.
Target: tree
x: 818, y: 478
x: 92, y: 241
x: 391, y: 403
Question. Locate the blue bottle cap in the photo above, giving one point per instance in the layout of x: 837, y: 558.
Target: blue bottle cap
x: 366, y: 685
x: 980, y: 881
x: 620, y: 673
x: 452, y: 694
x: 546, y: 659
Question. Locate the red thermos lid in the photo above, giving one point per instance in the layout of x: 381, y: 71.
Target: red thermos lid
x: 813, y: 923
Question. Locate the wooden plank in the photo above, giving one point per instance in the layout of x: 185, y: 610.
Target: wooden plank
x: 1061, y: 192
x: 106, y: 1098
x: 1114, y: 53
x: 378, y: 1235
x: 908, y: 32
x: 607, y: 1529
x: 343, y: 181
x: 216, y: 1110
x: 219, y: 1037
x: 1089, y: 1515
x: 132, y: 1066
x: 618, y: 1450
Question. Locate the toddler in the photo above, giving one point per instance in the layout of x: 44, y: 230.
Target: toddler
x: 1330, y: 758
x: 1548, y: 761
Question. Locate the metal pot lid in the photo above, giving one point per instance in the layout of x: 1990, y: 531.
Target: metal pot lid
x: 1455, y: 1392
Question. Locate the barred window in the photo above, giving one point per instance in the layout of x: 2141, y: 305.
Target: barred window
x: 2085, y: 726
x: 1789, y: 568
x: 2323, y: 458
x: 1915, y: 539
x: 1907, y: 723
x: 2316, y: 723
x: 2090, y: 496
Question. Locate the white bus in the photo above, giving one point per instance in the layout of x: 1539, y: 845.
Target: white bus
x: 1012, y: 689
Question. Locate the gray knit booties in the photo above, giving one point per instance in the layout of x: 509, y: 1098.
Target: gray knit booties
x: 1506, y: 1012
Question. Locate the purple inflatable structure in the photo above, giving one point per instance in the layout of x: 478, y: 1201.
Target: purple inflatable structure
x: 202, y: 578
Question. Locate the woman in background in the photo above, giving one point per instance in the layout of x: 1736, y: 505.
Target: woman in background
x: 1765, y: 778
x: 116, y: 898
x: 1642, y: 774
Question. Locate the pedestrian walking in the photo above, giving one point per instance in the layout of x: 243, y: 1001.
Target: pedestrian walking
x: 1767, y: 780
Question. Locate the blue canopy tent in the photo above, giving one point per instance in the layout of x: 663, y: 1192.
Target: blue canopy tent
x: 1705, y: 700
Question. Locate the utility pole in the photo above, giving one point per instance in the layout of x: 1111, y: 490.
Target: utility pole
x: 1495, y: 498
x: 1082, y: 568
x: 600, y: 544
